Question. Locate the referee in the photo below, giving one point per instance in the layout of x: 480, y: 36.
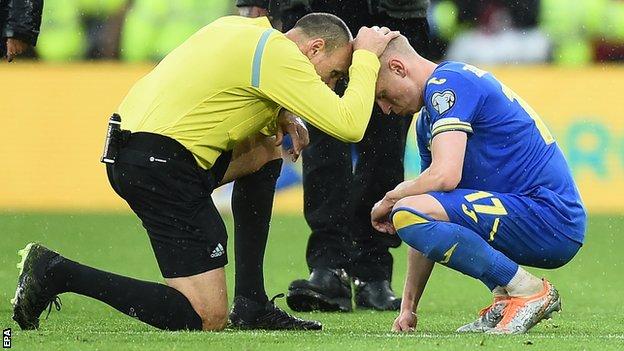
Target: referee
x: 343, y: 246
x: 206, y: 115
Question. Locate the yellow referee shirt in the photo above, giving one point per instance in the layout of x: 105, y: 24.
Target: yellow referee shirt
x: 228, y: 81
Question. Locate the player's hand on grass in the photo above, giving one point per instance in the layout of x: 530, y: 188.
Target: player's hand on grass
x: 374, y: 39
x: 291, y: 124
x: 15, y: 47
x: 380, y: 216
x: 405, y: 322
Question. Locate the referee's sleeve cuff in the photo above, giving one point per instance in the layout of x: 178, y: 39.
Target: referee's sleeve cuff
x: 366, y: 57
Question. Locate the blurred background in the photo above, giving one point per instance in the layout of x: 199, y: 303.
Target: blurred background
x: 564, y: 58
x: 560, y: 32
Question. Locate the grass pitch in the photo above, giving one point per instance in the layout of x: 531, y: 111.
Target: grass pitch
x: 591, y: 287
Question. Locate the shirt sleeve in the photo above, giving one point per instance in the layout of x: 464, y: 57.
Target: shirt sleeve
x: 288, y: 78
x: 422, y: 140
x: 23, y: 21
x: 453, y: 102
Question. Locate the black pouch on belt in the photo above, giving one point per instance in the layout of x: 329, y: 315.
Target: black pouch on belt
x: 115, y: 138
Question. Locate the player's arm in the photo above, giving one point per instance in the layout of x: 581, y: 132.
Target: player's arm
x: 288, y: 78
x: 444, y: 173
x: 452, y: 102
x: 447, y: 161
x: 418, y: 271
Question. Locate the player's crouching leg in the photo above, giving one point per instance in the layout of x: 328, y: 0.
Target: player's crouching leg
x: 529, y: 299
x: 451, y: 244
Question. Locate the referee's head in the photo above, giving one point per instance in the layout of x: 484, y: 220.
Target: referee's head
x: 327, y: 41
x: 326, y: 26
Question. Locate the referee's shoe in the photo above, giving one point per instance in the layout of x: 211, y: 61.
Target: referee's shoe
x: 249, y: 314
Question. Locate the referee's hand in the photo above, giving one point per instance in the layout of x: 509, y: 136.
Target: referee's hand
x: 289, y: 123
x: 374, y: 39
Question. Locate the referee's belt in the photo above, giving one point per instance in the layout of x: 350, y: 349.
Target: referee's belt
x: 156, y: 150
x: 153, y: 150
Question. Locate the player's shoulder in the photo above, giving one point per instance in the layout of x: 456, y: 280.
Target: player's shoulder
x: 453, y: 75
x: 449, y: 83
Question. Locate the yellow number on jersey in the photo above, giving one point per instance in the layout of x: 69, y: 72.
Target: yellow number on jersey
x: 541, y: 126
x: 496, y: 209
x: 479, y: 72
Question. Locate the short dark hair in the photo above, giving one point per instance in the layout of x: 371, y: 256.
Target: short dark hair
x: 327, y: 27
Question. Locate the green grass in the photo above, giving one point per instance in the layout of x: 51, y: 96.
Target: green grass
x: 591, y: 286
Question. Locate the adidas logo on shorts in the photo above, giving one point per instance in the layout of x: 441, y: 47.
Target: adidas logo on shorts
x: 218, y: 251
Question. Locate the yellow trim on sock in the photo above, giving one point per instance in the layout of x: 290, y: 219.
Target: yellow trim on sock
x: 402, y: 219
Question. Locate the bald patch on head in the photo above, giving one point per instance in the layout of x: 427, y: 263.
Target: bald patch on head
x: 326, y: 26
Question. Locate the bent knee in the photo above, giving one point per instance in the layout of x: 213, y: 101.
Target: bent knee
x: 424, y: 204
x: 214, y: 320
x: 419, y: 232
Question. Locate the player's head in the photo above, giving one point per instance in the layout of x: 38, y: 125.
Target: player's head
x: 398, y: 89
x: 327, y: 41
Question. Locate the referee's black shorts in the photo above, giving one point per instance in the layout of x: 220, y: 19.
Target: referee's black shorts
x: 164, y: 186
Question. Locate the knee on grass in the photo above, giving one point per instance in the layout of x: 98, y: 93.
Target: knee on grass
x: 213, y: 319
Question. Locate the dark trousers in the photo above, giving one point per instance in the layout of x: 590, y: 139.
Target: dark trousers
x: 338, y: 197
x: 4, y: 14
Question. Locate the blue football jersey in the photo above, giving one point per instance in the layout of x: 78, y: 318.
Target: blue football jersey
x: 509, y: 148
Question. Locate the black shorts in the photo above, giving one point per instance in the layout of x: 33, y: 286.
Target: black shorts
x: 164, y: 186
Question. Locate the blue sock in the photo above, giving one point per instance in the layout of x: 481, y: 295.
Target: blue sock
x: 454, y: 246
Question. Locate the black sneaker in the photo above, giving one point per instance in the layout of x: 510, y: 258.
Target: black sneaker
x: 32, y: 296
x: 249, y: 314
x: 376, y: 295
x: 326, y: 290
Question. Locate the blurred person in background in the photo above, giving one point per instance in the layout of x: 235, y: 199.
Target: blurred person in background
x: 81, y: 29
x: 152, y: 28
x: 528, y: 31
x: 19, y: 26
x: 102, y: 21
x: 504, y: 31
x: 343, y: 246
x: 609, y: 44
x: 589, y: 31
x: 132, y: 30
